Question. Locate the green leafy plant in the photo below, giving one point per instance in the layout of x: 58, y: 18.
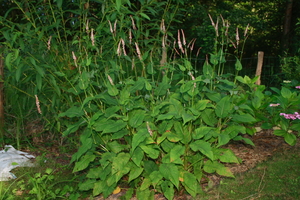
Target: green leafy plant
x: 283, y: 109
x: 144, y: 129
x: 140, y: 113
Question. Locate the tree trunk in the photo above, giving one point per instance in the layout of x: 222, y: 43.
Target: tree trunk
x: 287, y: 26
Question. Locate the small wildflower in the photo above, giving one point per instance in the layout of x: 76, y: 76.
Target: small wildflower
x: 74, y: 58
x: 123, y: 47
x: 87, y: 26
x: 37, y: 102
x: 133, y: 24
x: 179, y: 42
x: 149, y: 129
x: 237, y: 37
x: 93, y: 37
x: 246, y: 31
x: 130, y: 36
x: 115, y: 26
x: 286, y: 81
x: 49, y: 42
x: 138, y: 51
x: 110, y: 27
x: 274, y: 105
x: 162, y: 26
x: 110, y: 80
x: 297, y: 87
x: 119, y: 49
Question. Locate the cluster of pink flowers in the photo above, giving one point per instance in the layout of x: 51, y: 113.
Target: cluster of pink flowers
x: 297, y: 87
x: 294, y: 116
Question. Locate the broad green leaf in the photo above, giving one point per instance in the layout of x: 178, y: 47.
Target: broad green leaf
x: 136, y: 118
x: 83, y: 162
x: 176, y: 153
x: 165, y: 116
x: 73, y: 127
x: 208, y: 70
x: 120, y: 134
x: 201, y: 132
x: 146, y: 184
x: 137, y: 156
x: 120, y: 162
x: 209, y: 117
x: 248, y: 141
x: 138, y: 85
x: 88, y: 143
x: 19, y: 72
x: 118, y: 5
x: 182, y: 132
x: 139, y: 137
x: 228, y: 156
x: 145, y: 193
x: 214, y: 59
x: 38, y: 81
x: 8, y: 60
x: 145, y: 16
x: 162, y: 87
x: 99, y: 187
x: 87, y: 185
x: 190, y: 183
x: 286, y: 93
x: 187, y: 86
x: 167, y: 145
x: 201, y: 104
x: 290, y: 139
x: 240, y: 79
x: 135, y: 172
x: 280, y: 132
x: 296, y: 127
x: 223, y: 139
x: 155, y: 177
x: 170, y: 172
x: 114, y: 126
x: 238, y: 65
x: 112, y: 90
x: 188, y: 64
x: 244, y: 118
x: 168, y: 189
x: 149, y: 167
x: 181, y: 67
x: 111, y: 111
x: 74, y: 111
x: 115, y: 147
x: 215, y: 166
x: 203, y: 147
x: 150, y: 151
x: 223, y: 107
x: 216, y: 97
x: 187, y: 117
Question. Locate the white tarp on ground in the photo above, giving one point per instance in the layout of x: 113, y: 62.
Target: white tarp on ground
x: 11, y: 158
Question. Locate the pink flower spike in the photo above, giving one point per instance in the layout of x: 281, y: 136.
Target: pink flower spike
x: 297, y: 87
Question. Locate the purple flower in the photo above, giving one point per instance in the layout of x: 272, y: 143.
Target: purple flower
x: 298, y: 87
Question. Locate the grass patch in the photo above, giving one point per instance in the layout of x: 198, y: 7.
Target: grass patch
x: 276, y: 178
